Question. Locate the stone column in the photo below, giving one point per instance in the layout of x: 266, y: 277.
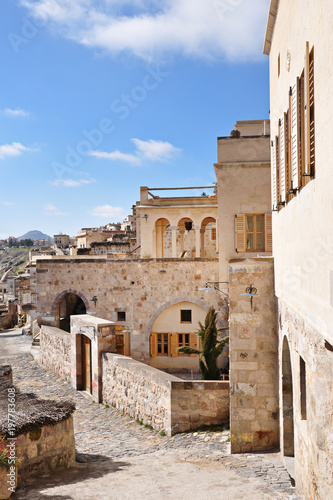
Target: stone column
x: 254, y: 405
x: 181, y: 233
x: 174, y: 230
x: 197, y: 241
x: 202, y: 242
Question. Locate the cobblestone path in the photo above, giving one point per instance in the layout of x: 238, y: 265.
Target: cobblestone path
x: 103, y: 433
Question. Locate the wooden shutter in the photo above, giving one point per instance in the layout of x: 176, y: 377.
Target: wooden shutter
x: 307, y: 110
x: 277, y: 154
x: 274, y: 187
x: 282, y: 160
x: 268, y: 233
x: 153, y: 344
x: 193, y: 342
x: 240, y: 232
x: 311, y: 113
x: 173, y: 344
x: 287, y: 150
x: 294, y: 133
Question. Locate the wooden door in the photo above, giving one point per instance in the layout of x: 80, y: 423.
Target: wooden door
x: 120, y: 344
x: 86, y: 364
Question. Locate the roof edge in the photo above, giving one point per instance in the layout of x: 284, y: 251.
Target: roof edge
x: 273, y: 9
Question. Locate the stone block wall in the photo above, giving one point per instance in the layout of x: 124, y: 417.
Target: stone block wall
x: 160, y: 399
x: 254, y: 406
x: 55, y: 351
x: 140, y: 287
x: 309, y: 421
x: 46, y: 448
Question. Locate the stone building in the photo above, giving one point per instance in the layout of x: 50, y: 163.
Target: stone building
x: 298, y: 40
x: 161, y: 296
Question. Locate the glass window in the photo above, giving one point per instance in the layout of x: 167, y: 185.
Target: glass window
x: 255, y: 233
x: 186, y: 316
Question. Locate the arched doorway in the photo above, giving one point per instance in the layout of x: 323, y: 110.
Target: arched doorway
x: 69, y: 305
x: 208, y: 238
x: 287, y: 401
x: 160, y: 227
x: 187, y: 239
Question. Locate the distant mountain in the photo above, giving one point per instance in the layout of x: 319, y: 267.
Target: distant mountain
x: 35, y: 235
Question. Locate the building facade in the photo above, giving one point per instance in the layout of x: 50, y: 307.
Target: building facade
x: 298, y: 40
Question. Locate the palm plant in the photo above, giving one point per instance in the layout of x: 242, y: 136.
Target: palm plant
x: 211, y: 348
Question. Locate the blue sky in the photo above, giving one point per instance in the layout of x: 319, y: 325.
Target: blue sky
x: 100, y: 97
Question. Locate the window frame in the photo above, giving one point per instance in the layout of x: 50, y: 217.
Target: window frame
x: 255, y: 232
x: 118, y: 317
x: 163, y: 344
x: 185, y: 321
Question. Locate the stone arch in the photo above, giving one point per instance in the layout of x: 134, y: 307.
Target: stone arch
x: 160, y: 226
x: 287, y: 401
x: 74, y: 302
x: 165, y: 306
x: 206, y: 249
x: 187, y: 240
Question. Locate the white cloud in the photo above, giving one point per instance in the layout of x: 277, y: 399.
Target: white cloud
x: 13, y: 149
x: 145, y: 150
x: 155, y: 150
x: 15, y: 112
x: 108, y: 212
x: 72, y: 182
x: 7, y: 203
x: 152, y: 29
x: 52, y: 210
x: 116, y: 155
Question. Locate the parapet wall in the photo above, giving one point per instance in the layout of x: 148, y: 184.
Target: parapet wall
x: 46, y: 448
x: 163, y: 401
x: 55, y: 351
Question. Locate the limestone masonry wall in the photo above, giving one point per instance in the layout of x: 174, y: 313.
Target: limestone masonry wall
x: 55, y: 351
x: 254, y: 409
x: 45, y: 449
x: 162, y: 400
x: 313, y: 433
x: 140, y: 287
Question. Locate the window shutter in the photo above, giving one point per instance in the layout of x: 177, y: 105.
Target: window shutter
x: 274, y: 190
x: 153, y: 344
x: 311, y: 113
x: 282, y: 161
x: 268, y: 233
x: 294, y: 134
x: 307, y: 110
x: 193, y: 342
x: 174, y: 344
x: 240, y: 232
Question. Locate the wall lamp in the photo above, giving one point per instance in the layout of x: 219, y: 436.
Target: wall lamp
x: 215, y: 286
x: 145, y: 216
x: 251, y: 292
x: 94, y: 299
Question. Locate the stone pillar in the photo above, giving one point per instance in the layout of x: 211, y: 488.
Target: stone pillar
x: 254, y: 406
x: 154, y: 254
x: 197, y: 241
x: 202, y: 242
x: 181, y: 233
x: 174, y: 230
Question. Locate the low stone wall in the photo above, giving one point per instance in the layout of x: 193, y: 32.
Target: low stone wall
x: 55, y: 351
x: 46, y: 448
x: 159, y: 399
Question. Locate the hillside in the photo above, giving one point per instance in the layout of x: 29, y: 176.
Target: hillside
x: 35, y: 235
x: 13, y: 258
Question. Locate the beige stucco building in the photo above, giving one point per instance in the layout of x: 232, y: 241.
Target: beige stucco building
x: 244, y: 199
x: 298, y: 41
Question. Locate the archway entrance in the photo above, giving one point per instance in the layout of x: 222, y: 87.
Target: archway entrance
x: 69, y: 305
x: 287, y: 401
